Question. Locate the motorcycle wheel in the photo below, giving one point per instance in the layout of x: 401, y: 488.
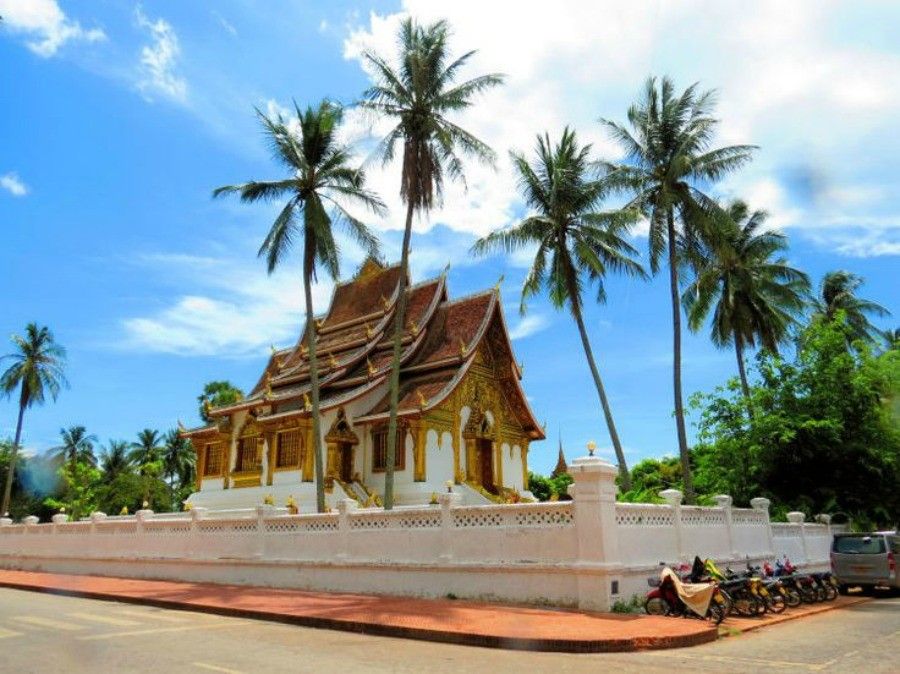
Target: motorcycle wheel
x: 808, y: 595
x: 759, y: 606
x: 775, y: 604
x: 830, y: 593
x: 820, y: 593
x: 743, y: 606
x: 656, y: 606
x: 716, y: 613
x: 792, y: 598
x: 727, y: 603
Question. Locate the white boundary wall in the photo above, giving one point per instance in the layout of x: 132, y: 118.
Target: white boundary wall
x: 587, y: 552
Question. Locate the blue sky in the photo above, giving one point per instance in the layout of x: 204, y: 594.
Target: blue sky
x: 120, y: 118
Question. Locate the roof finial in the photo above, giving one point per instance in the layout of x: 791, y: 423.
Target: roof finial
x: 446, y: 270
x: 332, y: 361
x: 462, y: 347
x: 181, y: 426
x: 371, y: 368
x: 423, y: 401
x: 306, y: 403
x: 273, y: 349
x: 499, y: 282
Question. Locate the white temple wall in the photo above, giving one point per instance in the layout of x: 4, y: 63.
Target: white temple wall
x: 587, y: 552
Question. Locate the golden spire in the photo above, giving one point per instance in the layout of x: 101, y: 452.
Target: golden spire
x: 371, y: 368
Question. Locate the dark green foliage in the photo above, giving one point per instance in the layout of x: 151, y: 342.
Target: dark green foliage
x: 218, y: 394
x: 823, y: 437
x: 651, y: 476
x: 546, y: 488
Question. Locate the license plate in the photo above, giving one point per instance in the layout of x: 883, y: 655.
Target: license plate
x: 861, y: 569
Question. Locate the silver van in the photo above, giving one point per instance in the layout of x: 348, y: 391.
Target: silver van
x: 867, y: 560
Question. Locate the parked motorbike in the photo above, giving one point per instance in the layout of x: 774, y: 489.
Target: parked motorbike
x: 664, y: 597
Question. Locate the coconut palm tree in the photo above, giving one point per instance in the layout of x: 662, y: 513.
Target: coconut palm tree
x: 114, y: 459
x: 77, y: 445
x: 743, y: 278
x: 576, y: 242
x: 146, y: 454
x: 319, y: 182
x: 668, y: 161
x: 418, y: 92
x: 837, y: 292
x: 37, y: 371
x: 178, y: 461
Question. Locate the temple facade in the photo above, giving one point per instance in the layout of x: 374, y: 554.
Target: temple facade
x: 463, y: 416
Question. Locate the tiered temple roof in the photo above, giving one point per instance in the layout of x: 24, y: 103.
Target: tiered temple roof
x: 354, y: 350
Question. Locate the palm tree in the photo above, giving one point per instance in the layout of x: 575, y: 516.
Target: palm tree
x: 146, y: 454
x: 320, y: 181
x: 114, y: 459
x: 581, y: 242
x: 755, y: 296
x: 218, y: 394
x: 837, y: 292
x: 418, y: 94
x: 77, y: 445
x: 668, y: 160
x: 178, y: 461
x: 37, y: 371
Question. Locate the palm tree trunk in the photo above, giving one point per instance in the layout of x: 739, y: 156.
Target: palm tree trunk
x: 745, y: 387
x: 308, y: 259
x: 10, y: 471
x: 624, y: 475
x: 683, y: 449
x: 399, y: 319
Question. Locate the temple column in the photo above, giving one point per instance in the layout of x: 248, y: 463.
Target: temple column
x: 524, y: 450
x: 471, y: 460
x: 201, y: 463
x: 419, y: 452
x: 498, y: 463
x: 269, y: 438
x: 309, y: 466
x: 455, y: 445
x: 227, y: 458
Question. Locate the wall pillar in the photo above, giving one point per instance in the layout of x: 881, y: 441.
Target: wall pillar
x: 762, y: 505
x: 674, y: 498
x: 799, y: 518
x: 139, y: 517
x: 344, y: 507
x: 724, y: 501
x: 598, y: 566
x: 447, y: 500
x: 197, y: 513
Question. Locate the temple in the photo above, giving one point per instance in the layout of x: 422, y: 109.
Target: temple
x: 463, y: 416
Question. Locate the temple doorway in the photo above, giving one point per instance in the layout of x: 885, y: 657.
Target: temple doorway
x: 485, y: 449
x: 345, y: 461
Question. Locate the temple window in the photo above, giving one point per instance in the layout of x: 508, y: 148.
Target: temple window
x: 379, y: 450
x: 248, y: 454
x: 213, y: 465
x: 289, y: 446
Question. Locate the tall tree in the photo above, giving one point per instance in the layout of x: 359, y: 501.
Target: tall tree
x: 147, y: 455
x: 178, y: 462
x: 218, y: 394
x: 576, y: 242
x: 742, y: 276
x: 114, y: 460
x: 37, y: 371
x: 77, y: 445
x: 837, y: 292
x: 418, y: 92
x: 320, y: 181
x: 668, y: 161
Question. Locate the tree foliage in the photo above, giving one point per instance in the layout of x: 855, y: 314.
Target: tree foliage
x: 218, y: 394
x: 824, y: 437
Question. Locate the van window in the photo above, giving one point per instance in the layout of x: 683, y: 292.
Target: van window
x: 860, y: 545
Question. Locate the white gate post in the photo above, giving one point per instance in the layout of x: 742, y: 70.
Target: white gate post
x: 674, y: 497
x: 762, y: 505
x: 262, y: 512
x: 598, y: 566
x: 196, y: 546
x: 725, y: 502
x: 447, y: 500
x: 345, y: 506
x: 799, y: 518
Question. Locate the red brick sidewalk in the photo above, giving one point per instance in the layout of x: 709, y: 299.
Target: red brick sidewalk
x: 459, y: 622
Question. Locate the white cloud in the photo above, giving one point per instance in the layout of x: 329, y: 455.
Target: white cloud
x: 47, y: 25
x: 529, y: 325
x: 789, y: 80
x: 234, y: 309
x: 13, y: 184
x: 159, y: 61
x: 226, y: 25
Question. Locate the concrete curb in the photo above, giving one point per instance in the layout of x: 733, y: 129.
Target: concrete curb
x: 463, y: 638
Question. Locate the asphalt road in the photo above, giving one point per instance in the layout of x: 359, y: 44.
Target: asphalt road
x: 44, y: 633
